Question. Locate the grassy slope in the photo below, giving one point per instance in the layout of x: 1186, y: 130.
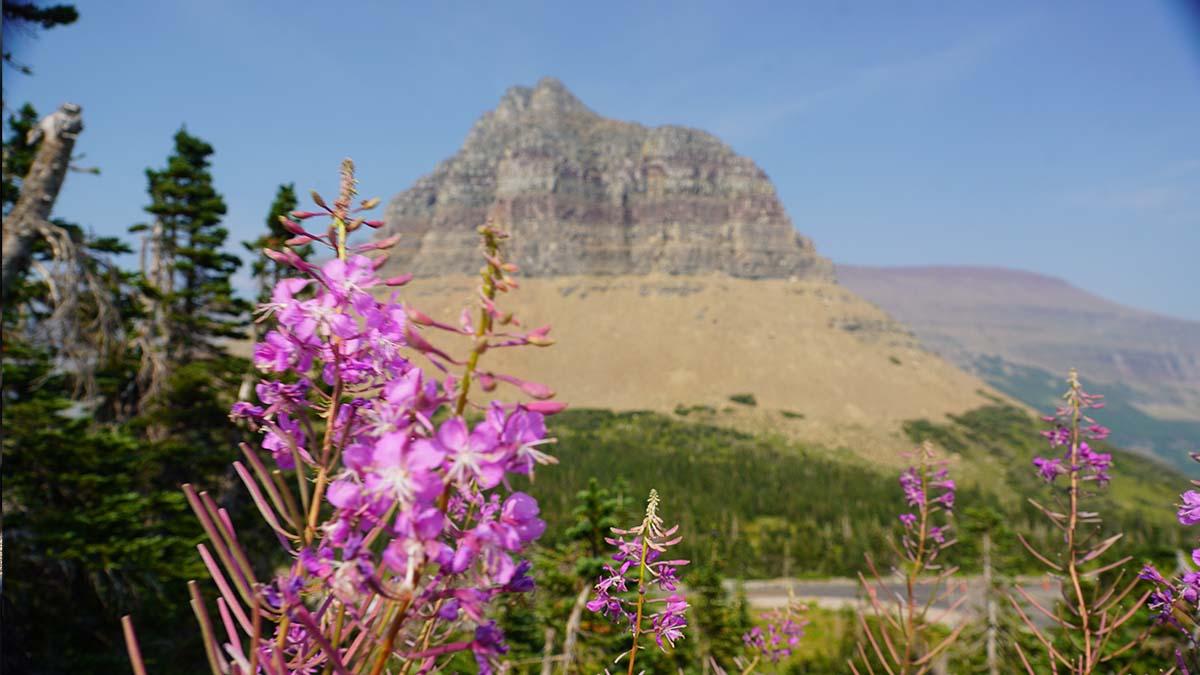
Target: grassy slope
x: 654, y: 342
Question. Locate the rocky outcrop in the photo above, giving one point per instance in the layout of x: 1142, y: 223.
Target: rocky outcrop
x: 582, y: 194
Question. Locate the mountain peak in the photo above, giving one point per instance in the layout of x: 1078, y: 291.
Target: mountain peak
x: 550, y: 98
x: 582, y: 194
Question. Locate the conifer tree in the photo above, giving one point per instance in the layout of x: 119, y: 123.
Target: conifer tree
x: 187, y: 275
x: 190, y: 209
x: 19, y: 150
x: 268, y: 272
x: 22, y: 16
x: 189, y: 309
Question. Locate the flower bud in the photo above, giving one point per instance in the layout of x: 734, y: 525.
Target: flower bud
x: 388, y: 242
x: 486, y: 381
x: 418, y: 317
x: 291, y: 225
x: 539, y: 337
x: 546, y: 407
x: 538, y: 391
x: 317, y: 200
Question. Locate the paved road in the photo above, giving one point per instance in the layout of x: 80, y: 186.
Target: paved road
x: 840, y: 593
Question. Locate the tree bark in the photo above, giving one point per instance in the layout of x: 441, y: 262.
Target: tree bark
x: 39, y: 191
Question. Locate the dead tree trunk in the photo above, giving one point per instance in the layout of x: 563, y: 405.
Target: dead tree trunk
x: 993, y: 664
x: 573, y: 622
x: 39, y: 190
x: 548, y: 653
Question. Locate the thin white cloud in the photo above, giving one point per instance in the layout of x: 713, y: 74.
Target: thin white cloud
x: 924, y: 71
x: 1170, y: 189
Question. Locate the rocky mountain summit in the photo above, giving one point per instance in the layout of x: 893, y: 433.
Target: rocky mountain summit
x: 586, y: 195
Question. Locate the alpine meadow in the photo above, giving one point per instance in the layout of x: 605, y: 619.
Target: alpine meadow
x: 291, y: 386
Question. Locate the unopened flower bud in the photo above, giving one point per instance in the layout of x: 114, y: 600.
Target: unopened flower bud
x: 418, y: 317
x: 540, y: 337
x: 486, y: 381
x: 546, y: 407
x: 291, y: 225
x: 538, y: 391
x: 388, y: 242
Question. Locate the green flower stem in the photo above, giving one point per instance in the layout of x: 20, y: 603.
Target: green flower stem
x: 637, y: 624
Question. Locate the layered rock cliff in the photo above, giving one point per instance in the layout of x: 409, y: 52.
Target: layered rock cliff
x: 582, y: 194
x: 673, y: 277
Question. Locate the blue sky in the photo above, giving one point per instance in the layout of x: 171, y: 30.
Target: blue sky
x: 1056, y: 137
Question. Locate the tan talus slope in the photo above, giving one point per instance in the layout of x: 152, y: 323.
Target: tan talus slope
x: 846, y: 374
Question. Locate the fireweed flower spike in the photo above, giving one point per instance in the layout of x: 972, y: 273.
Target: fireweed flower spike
x: 1176, y: 602
x: 638, y: 563
x: 401, y: 530
x: 779, y: 636
x: 1093, y: 610
x: 901, y: 641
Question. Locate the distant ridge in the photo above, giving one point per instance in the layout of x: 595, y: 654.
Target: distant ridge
x: 583, y: 194
x: 1021, y: 331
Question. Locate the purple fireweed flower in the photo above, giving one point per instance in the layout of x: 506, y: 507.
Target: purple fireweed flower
x: 928, y: 488
x: 1079, y: 458
x: 642, y: 557
x: 781, y: 634
x: 488, y: 644
x: 1049, y: 468
x: 1176, y: 601
x: 520, y: 513
x: 668, y: 623
x: 1189, y: 511
x: 403, y: 471
x: 390, y: 508
x: 929, y: 496
x: 244, y: 410
x: 473, y: 457
x: 279, y: 439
